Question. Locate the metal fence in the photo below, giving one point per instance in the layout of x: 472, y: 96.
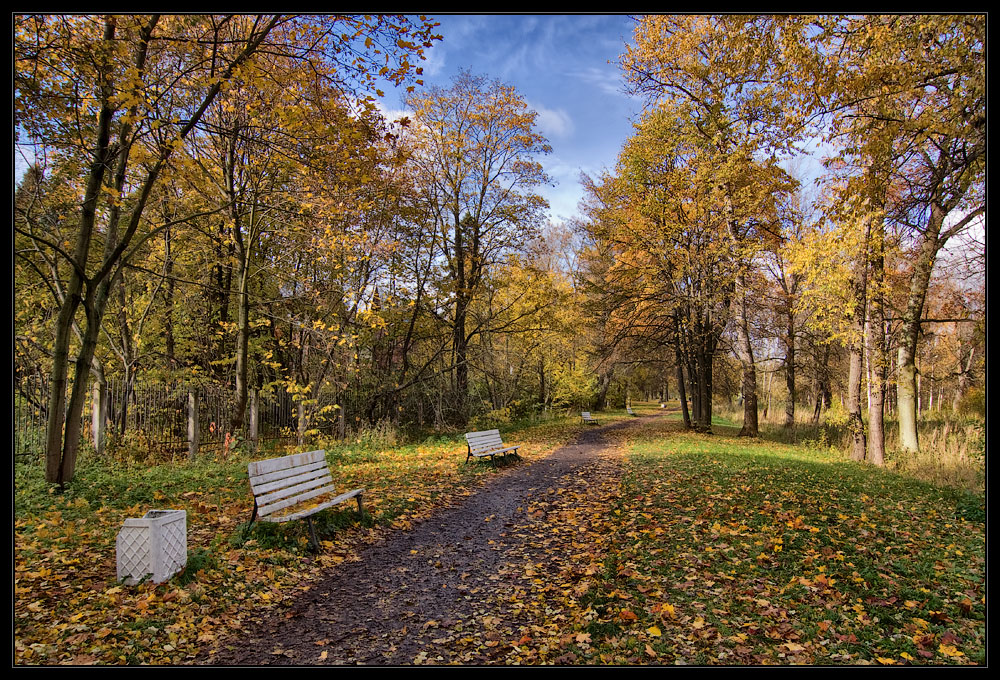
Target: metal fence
x: 155, y: 416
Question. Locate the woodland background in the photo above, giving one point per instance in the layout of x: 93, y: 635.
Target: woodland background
x: 214, y: 203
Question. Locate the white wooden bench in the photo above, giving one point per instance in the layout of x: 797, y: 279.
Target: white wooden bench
x: 295, y: 487
x: 588, y: 419
x: 630, y: 411
x: 488, y: 443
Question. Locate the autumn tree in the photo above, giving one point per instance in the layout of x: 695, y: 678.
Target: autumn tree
x: 903, y: 100
x: 476, y: 150
x: 720, y: 74
x: 115, y: 98
x: 663, y: 261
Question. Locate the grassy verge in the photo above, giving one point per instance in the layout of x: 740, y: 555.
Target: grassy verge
x: 730, y: 551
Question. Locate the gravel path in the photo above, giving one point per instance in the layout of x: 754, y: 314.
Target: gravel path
x: 376, y: 611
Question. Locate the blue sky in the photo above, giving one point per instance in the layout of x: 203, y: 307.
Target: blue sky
x: 564, y: 66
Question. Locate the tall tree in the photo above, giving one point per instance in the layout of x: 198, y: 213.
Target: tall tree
x: 721, y: 71
x: 476, y: 150
x: 907, y: 95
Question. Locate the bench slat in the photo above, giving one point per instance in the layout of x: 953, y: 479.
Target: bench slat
x: 296, y: 490
x: 311, y: 511
x: 274, y: 480
x: 486, y: 443
x: 278, y: 504
x: 490, y: 452
x: 261, y: 467
x: 488, y: 436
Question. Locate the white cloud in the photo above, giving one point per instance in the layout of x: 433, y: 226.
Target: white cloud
x: 434, y: 60
x: 607, y: 80
x: 553, y: 122
x: 392, y: 115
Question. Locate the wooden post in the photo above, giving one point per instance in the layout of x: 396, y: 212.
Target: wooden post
x: 254, y: 416
x: 193, y: 430
x: 99, y: 415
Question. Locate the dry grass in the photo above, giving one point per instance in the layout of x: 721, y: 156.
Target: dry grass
x: 952, y: 448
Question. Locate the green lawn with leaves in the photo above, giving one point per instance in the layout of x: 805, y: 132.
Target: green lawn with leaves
x: 736, y: 551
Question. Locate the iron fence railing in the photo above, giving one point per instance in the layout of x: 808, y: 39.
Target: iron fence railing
x: 157, y: 416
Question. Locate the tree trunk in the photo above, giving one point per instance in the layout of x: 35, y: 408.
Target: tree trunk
x: 855, y: 421
x: 461, y: 347
x: 55, y: 459
x: 168, y: 322
x: 99, y: 411
x: 603, y: 382
x: 963, y: 380
x: 681, y: 394
x: 906, y: 381
x: 242, y: 348
x: 745, y: 351
x: 877, y: 361
x: 790, y: 358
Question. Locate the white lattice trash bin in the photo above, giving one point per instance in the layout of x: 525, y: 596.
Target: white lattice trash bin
x: 155, y: 544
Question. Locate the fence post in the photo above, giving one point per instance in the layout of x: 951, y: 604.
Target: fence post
x: 302, y: 423
x: 193, y: 431
x: 99, y: 414
x: 254, y: 416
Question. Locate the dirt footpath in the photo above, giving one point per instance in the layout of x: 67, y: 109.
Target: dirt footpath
x: 453, y: 588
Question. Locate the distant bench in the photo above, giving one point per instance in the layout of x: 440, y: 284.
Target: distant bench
x: 488, y: 443
x: 285, y: 489
x: 588, y: 419
x: 630, y: 411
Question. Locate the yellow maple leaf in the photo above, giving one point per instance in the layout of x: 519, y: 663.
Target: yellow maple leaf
x: 949, y: 650
x: 654, y: 631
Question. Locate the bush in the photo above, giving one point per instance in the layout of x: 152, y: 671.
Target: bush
x: 973, y: 403
x: 836, y: 415
x: 490, y: 420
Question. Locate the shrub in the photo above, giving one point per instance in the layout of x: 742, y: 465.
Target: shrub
x: 973, y: 403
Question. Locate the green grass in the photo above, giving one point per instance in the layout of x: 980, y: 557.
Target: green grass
x: 746, y: 551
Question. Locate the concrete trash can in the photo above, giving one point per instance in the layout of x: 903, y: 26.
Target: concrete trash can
x: 154, y: 545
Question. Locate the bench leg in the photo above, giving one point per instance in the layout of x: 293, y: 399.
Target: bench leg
x: 312, y: 534
x: 253, y: 516
x: 361, y: 510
